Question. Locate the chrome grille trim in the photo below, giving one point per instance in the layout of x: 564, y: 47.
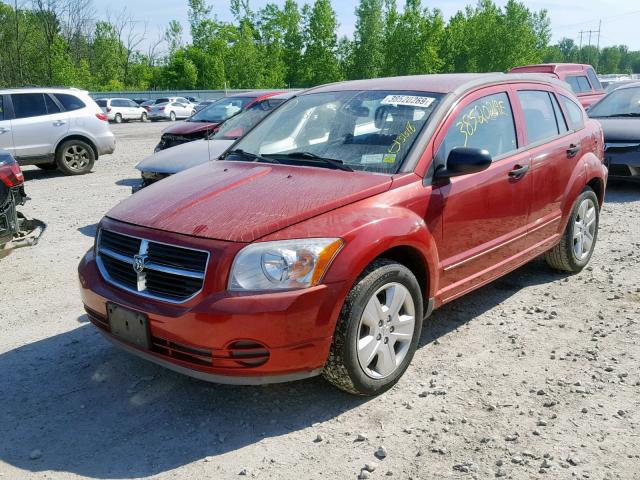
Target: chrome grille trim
x: 148, y: 267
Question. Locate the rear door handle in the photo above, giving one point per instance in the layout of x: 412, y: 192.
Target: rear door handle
x: 573, y: 150
x: 4, y: 130
x: 519, y: 171
x: 59, y: 123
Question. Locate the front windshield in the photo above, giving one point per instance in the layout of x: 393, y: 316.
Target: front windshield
x: 352, y: 130
x: 237, y: 126
x: 221, y: 109
x: 624, y: 102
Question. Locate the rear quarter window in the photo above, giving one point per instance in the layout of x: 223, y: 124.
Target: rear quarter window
x: 100, y: 103
x: 576, y: 115
x: 593, y: 78
x: 71, y: 102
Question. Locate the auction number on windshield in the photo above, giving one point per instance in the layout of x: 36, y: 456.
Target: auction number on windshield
x: 480, y: 115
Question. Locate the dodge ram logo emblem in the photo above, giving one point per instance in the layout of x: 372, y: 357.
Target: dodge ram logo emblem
x: 139, y: 262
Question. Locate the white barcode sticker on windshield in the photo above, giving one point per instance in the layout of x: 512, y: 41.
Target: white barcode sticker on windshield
x: 409, y: 100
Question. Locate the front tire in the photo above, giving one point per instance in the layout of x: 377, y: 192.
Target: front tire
x: 75, y: 157
x: 378, y: 330
x: 578, y: 241
x: 144, y: 117
x: 172, y: 116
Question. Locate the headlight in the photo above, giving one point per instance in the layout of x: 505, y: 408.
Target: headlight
x: 285, y: 264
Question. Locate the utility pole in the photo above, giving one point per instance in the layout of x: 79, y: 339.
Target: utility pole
x: 580, y: 48
x: 598, y: 57
x: 589, y: 32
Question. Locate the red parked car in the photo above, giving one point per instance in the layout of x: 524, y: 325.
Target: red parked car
x: 325, y: 236
x: 209, y: 119
x: 582, y: 79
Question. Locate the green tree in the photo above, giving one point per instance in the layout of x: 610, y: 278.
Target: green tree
x: 293, y: 43
x: 366, y: 58
x: 320, y: 60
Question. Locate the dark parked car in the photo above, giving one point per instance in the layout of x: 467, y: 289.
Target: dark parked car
x: 619, y: 115
x: 173, y: 160
x: 333, y: 228
x: 15, y: 229
x: 209, y: 119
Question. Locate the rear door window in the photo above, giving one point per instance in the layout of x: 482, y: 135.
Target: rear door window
x: 486, y: 123
x: 562, y: 124
x: 576, y: 117
x: 27, y: 105
x: 539, y: 115
x: 52, y: 107
x: 71, y: 102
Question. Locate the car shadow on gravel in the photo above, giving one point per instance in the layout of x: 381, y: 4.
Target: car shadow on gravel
x: 127, y: 182
x: 620, y: 191
x: 38, y: 174
x: 79, y: 405
x: 470, y: 306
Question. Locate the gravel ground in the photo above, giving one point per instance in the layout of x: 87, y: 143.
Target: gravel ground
x: 533, y: 376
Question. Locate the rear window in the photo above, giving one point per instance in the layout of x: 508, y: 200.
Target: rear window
x: 576, y: 117
x: 579, y: 83
x: 101, y: 103
x: 1, y: 108
x: 27, y: 105
x: 71, y: 102
x: 593, y: 78
x: 162, y: 100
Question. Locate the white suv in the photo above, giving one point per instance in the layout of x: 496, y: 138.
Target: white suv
x: 122, y: 109
x: 54, y: 128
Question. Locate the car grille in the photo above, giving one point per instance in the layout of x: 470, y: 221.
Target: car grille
x: 165, y: 272
x: 169, y: 140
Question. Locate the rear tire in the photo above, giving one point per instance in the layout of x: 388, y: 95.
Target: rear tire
x: 118, y: 118
x: 144, y: 117
x: 172, y: 116
x: 578, y: 241
x: 75, y: 157
x: 378, y: 330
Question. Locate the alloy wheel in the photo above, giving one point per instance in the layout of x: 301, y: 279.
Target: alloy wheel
x: 386, y: 330
x: 76, y: 157
x: 584, y: 229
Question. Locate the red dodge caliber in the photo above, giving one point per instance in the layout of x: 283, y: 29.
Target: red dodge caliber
x: 324, y: 238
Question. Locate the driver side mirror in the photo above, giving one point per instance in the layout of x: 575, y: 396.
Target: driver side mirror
x: 463, y: 161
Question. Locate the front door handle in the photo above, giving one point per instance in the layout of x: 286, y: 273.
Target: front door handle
x: 519, y: 171
x: 59, y: 123
x: 4, y: 130
x: 573, y: 150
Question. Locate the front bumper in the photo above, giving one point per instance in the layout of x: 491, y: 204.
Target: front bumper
x: 623, y: 161
x: 289, y: 332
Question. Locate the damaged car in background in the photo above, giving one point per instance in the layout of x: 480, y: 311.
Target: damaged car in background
x: 208, y: 120
x: 173, y: 160
x: 16, y: 230
x: 619, y: 115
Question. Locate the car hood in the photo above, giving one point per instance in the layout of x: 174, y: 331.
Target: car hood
x: 175, y: 159
x: 243, y: 201
x: 620, y: 130
x: 185, y: 128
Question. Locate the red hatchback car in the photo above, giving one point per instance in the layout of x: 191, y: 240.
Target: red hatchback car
x: 582, y: 79
x: 326, y: 235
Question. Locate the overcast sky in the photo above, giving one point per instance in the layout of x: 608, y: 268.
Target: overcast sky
x: 620, y: 18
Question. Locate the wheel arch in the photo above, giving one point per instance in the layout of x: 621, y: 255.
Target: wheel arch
x: 82, y: 138
x: 597, y: 185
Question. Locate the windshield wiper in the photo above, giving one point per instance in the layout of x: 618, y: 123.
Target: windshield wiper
x: 337, y: 164
x: 623, y: 115
x: 253, y: 156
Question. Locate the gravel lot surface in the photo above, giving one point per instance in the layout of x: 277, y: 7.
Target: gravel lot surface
x: 533, y: 376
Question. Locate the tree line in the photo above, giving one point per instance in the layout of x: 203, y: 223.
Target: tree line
x: 59, y: 42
